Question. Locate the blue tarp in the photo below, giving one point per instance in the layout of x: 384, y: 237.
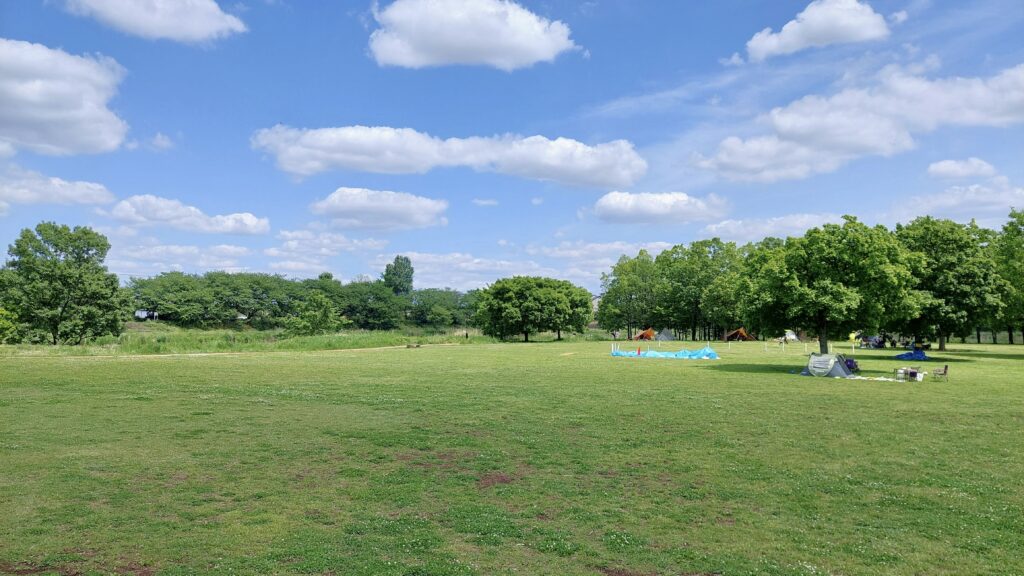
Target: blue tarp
x: 915, y: 355
x: 705, y: 353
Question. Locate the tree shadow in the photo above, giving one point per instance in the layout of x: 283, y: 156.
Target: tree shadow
x: 987, y: 355
x: 755, y: 368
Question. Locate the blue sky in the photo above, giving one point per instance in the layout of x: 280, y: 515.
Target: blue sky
x: 486, y: 138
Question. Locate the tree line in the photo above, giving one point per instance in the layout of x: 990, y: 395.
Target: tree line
x: 929, y: 279
x: 54, y: 288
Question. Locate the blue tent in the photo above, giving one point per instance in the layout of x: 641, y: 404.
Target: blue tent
x: 914, y: 355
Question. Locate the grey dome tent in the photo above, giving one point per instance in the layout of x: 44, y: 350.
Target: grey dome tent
x: 665, y: 335
x: 827, y: 365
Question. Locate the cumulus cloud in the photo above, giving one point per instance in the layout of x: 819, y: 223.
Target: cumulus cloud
x: 52, y: 102
x: 464, y: 271
x: 151, y: 257
x: 497, y: 33
x: 149, y: 210
x: 657, y: 208
x: 307, y: 251
x: 584, y: 262
x: 20, y: 186
x: 161, y: 141
x: 817, y: 134
x: 381, y: 209
x: 988, y: 202
x: 180, y: 20
x: 754, y: 229
x: 387, y: 150
x: 971, y: 167
x: 822, y: 23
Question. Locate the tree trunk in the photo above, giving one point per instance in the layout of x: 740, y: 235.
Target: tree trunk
x: 822, y: 337
x: 977, y: 333
x: 559, y: 333
x: 1009, y: 331
x: 526, y: 336
x: 942, y: 342
x: 994, y: 336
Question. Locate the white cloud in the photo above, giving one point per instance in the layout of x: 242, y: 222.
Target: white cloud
x: 584, y: 262
x: 734, y: 60
x: 898, y: 17
x: 498, y: 33
x: 591, y: 251
x: 52, y: 102
x: 179, y: 20
x: 662, y: 208
x: 161, y: 141
x: 988, y: 202
x: 536, y: 200
x: 389, y: 150
x: 381, y: 209
x: 151, y: 257
x: 971, y: 167
x: 754, y: 229
x: 300, y: 244
x: 149, y: 210
x: 20, y: 186
x: 818, y: 134
x: 822, y: 23
x: 464, y: 271
x: 485, y: 201
x: 307, y: 251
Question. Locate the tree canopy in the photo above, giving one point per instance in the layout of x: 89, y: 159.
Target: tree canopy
x: 529, y: 304
x: 57, y: 285
x: 398, y: 275
x: 834, y: 279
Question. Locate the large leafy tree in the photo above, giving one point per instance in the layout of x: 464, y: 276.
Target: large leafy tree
x: 1009, y: 257
x: 691, y: 295
x: 956, y: 275
x: 370, y: 305
x: 530, y: 304
x: 629, y: 297
x: 834, y: 279
x: 398, y: 275
x: 58, y: 285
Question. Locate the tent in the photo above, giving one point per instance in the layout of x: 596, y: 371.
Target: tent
x: 913, y: 355
x: 739, y: 334
x: 828, y: 365
x: 790, y: 337
x: 665, y: 335
x: 648, y: 334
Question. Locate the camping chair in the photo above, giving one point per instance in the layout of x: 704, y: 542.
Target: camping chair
x: 941, y: 373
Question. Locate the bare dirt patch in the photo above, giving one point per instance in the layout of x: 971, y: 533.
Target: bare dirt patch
x: 136, y: 569
x: 622, y: 572
x: 493, y: 479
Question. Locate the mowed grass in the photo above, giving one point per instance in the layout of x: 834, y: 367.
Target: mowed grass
x: 550, y: 458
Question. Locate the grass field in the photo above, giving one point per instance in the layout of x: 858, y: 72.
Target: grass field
x: 549, y: 458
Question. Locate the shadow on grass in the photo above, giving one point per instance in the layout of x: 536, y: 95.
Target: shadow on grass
x: 796, y: 367
x: 987, y: 355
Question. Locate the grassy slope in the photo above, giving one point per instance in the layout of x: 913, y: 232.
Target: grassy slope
x: 501, y: 459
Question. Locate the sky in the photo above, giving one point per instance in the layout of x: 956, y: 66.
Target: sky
x: 491, y: 138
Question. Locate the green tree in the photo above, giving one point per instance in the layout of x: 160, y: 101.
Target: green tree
x: 370, y: 305
x: 629, y: 294
x: 956, y: 276
x: 398, y: 275
x: 59, y: 286
x: 315, y: 315
x: 531, y: 304
x: 436, y: 308
x: 689, y: 285
x: 834, y: 279
x: 1009, y: 257
x: 8, y: 327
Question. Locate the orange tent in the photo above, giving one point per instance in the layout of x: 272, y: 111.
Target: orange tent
x: 739, y: 334
x: 648, y: 334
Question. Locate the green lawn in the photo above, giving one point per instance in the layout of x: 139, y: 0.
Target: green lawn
x: 550, y: 458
